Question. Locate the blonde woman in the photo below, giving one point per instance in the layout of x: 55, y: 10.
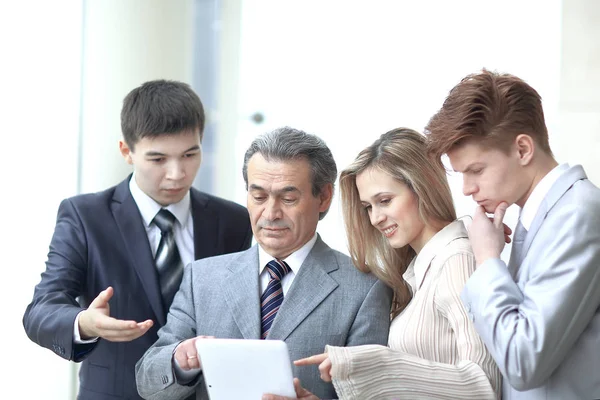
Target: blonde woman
x: 401, y: 226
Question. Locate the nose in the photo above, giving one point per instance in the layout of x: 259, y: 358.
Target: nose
x: 469, y: 187
x: 175, y: 171
x: 376, y: 216
x: 272, y: 210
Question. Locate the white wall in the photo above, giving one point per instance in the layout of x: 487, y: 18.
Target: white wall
x: 350, y: 71
x: 40, y: 72
x: 577, y: 138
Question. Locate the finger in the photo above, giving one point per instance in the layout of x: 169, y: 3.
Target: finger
x: 312, y: 360
x: 106, y: 323
x: 300, y: 391
x: 479, y: 214
x: 125, y: 335
x: 274, y: 397
x: 102, y: 299
x: 325, y: 369
x: 499, y: 214
x: 507, y: 230
x: 193, y: 361
x: 116, y: 330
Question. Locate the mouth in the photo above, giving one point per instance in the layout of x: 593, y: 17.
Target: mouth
x: 389, y: 231
x: 273, y: 231
x: 176, y: 190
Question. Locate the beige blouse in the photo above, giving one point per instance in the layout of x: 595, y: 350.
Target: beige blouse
x: 434, y: 351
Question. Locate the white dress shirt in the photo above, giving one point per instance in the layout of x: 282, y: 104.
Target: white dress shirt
x: 294, y: 261
x: 531, y: 206
x: 183, y: 231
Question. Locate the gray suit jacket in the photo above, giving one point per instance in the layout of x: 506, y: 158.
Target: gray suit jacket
x: 541, y: 318
x: 329, y: 302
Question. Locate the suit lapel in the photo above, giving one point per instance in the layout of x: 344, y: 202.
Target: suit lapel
x: 242, y: 292
x: 133, y: 233
x: 205, y: 226
x: 560, y: 187
x: 310, y: 287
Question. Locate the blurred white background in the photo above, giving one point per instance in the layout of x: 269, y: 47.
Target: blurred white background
x: 347, y: 71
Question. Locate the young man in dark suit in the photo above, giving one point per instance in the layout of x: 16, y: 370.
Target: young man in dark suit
x: 116, y: 257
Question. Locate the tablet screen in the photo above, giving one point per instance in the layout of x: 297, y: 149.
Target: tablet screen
x: 245, y: 368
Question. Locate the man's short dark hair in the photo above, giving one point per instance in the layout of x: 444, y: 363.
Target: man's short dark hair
x: 160, y: 107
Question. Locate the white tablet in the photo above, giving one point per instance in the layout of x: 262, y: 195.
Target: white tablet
x: 245, y: 369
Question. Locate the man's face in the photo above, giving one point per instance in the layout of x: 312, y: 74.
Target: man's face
x: 283, y: 211
x: 165, y: 166
x: 490, y: 176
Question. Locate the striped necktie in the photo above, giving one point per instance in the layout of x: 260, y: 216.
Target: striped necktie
x: 271, y: 299
x: 167, y: 259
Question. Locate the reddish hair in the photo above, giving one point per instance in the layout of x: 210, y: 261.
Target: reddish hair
x: 491, y: 108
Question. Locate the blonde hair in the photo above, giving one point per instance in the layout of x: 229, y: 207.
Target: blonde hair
x: 402, y: 154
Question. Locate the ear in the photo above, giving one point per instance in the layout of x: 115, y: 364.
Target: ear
x: 125, y: 152
x: 325, y: 196
x: 525, y: 147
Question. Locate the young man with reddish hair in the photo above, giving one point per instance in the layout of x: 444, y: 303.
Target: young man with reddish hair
x: 540, y: 314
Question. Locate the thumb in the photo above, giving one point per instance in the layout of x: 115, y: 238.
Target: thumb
x: 102, y: 299
x: 499, y: 214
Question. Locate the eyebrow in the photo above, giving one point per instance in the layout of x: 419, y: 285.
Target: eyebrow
x: 158, y: 153
x: 286, y: 189
x: 471, y: 167
x: 376, y: 195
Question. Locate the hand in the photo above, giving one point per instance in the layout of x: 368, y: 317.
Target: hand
x: 301, y: 393
x: 186, y: 354
x: 324, y: 364
x: 97, y: 322
x: 507, y: 231
x: 488, y: 235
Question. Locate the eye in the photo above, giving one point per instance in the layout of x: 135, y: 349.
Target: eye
x: 157, y: 160
x: 259, y: 199
x: 385, y: 201
x: 367, y: 207
x: 190, y: 155
x: 287, y: 200
x: 477, y: 171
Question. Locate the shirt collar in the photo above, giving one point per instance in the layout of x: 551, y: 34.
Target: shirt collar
x: 149, y: 208
x: 417, y: 269
x: 294, y: 260
x: 540, y: 191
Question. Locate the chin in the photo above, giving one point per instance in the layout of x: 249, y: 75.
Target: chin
x: 397, y: 244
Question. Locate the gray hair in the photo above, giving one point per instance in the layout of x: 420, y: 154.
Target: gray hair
x: 286, y: 144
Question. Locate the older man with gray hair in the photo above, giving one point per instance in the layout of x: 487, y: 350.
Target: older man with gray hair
x: 321, y: 298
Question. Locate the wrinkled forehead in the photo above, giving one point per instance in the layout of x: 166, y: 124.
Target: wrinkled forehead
x: 278, y: 175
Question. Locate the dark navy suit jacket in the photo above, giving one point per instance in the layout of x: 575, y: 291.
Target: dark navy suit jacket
x: 100, y: 241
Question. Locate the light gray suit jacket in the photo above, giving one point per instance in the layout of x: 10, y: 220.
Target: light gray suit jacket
x: 329, y: 302
x: 540, y: 318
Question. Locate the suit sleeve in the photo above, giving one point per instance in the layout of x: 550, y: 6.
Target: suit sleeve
x: 531, y: 329
x: 50, y: 317
x: 474, y: 376
x: 372, y: 322
x: 154, y: 374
